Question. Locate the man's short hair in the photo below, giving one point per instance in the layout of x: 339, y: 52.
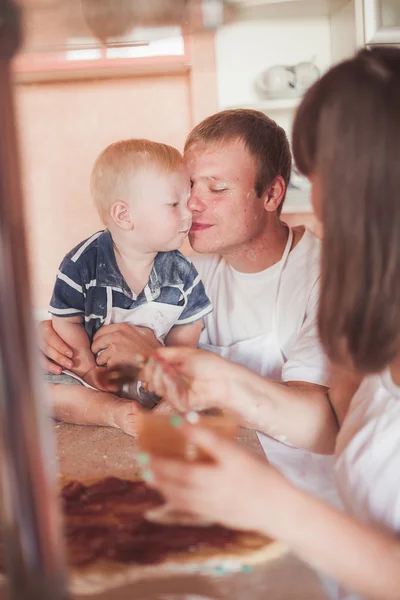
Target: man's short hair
x: 115, y: 166
x: 264, y: 138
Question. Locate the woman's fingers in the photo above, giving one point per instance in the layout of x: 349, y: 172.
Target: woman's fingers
x: 165, y: 381
x: 175, y: 355
x: 217, y: 447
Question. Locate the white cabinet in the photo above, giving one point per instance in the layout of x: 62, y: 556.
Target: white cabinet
x: 280, y: 33
x: 272, y: 32
x: 381, y: 21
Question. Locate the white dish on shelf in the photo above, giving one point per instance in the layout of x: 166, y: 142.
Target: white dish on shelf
x: 271, y: 104
x: 291, y: 93
x: 285, y: 81
x: 277, y: 80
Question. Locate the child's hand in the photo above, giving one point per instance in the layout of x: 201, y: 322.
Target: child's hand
x: 123, y: 416
x: 239, y: 490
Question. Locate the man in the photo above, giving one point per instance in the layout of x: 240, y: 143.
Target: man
x: 261, y: 277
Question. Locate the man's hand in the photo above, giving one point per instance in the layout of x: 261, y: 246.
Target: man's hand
x: 120, y: 343
x: 56, y: 355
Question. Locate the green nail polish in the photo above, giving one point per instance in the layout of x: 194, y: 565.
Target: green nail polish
x: 247, y: 569
x: 143, y: 459
x: 176, y: 421
x: 220, y: 570
x: 139, y: 359
x: 147, y: 475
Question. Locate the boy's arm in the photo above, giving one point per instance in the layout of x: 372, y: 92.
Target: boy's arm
x: 184, y: 335
x: 82, y: 406
x: 72, y: 331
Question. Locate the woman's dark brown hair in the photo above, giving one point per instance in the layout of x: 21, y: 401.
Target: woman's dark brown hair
x: 347, y: 134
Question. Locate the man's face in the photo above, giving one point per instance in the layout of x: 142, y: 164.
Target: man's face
x: 226, y: 211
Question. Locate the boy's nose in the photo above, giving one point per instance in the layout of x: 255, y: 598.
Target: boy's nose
x: 187, y: 214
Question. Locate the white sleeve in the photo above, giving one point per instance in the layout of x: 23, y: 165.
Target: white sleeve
x: 307, y: 361
x: 205, y: 265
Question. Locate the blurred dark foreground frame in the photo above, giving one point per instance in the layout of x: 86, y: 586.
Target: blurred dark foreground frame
x: 30, y: 515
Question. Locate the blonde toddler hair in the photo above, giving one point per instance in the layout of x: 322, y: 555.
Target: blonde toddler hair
x: 114, y: 168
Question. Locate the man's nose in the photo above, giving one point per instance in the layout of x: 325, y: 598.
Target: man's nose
x: 195, y: 204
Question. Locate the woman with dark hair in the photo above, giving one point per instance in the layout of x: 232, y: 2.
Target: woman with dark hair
x: 346, y: 139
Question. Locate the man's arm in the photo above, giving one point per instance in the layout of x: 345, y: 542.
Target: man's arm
x: 72, y: 331
x: 306, y: 361
x: 184, y: 335
x: 56, y: 355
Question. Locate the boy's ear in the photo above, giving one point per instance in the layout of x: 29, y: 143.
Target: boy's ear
x: 121, y: 215
x: 274, y: 194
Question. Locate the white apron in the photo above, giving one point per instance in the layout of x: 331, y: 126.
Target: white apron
x: 263, y: 355
x: 157, y: 316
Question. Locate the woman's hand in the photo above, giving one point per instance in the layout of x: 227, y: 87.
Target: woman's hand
x: 97, y: 378
x: 238, y: 489
x: 189, y: 378
x: 119, y: 344
x: 56, y: 355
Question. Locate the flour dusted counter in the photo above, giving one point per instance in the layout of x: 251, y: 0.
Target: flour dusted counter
x: 91, y: 452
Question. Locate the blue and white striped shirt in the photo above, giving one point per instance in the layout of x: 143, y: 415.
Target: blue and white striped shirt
x: 89, y: 284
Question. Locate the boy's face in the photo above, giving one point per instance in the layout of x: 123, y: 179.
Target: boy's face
x: 159, y: 208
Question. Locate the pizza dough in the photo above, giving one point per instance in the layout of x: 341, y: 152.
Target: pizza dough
x: 110, y: 543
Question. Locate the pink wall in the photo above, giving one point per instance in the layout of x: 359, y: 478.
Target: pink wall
x: 64, y: 125
x: 63, y: 128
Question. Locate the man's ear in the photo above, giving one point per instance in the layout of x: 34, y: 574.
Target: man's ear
x: 274, y: 194
x: 120, y: 213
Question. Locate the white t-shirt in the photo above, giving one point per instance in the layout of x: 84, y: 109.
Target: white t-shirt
x: 367, y: 469
x: 368, y: 453
x: 242, y: 305
x: 243, y: 310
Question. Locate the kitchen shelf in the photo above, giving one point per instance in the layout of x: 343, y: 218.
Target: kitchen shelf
x: 272, y: 104
x: 254, y: 9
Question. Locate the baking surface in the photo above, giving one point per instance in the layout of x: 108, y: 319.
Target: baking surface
x: 283, y: 579
x: 91, y: 452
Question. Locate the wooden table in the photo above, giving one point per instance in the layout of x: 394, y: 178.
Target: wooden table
x: 87, y: 452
